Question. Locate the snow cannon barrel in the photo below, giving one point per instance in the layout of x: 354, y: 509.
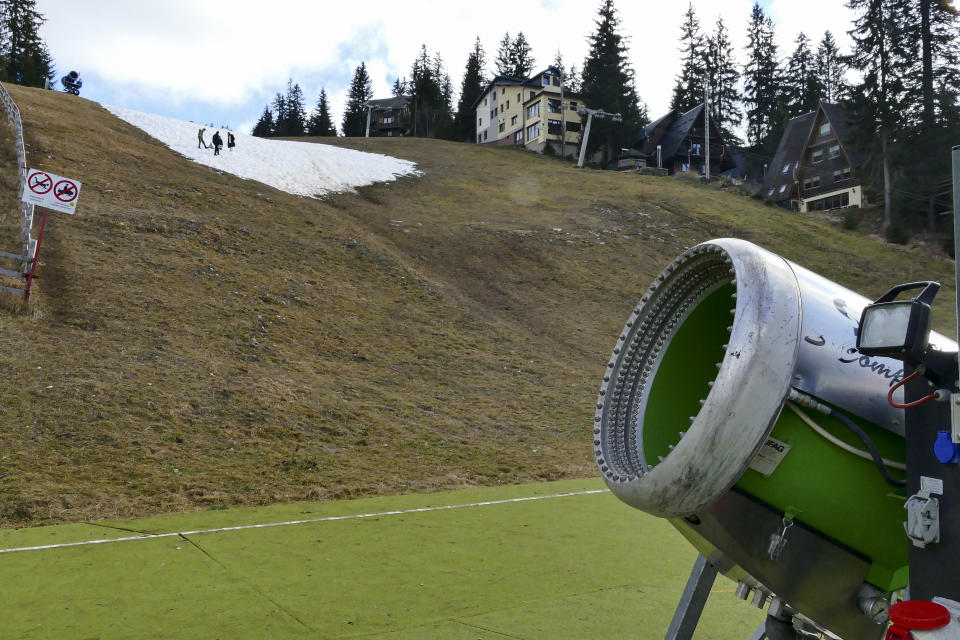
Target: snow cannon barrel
x: 730, y: 406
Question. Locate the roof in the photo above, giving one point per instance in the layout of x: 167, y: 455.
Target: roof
x: 780, y: 173
x: 675, y: 132
x: 510, y: 80
x: 793, y: 144
x: 396, y: 102
x: 837, y: 114
x: 496, y: 82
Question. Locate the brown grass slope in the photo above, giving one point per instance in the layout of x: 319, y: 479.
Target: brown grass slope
x: 199, y: 341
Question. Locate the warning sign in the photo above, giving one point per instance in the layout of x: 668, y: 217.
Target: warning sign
x: 51, y: 191
x: 40, y: 182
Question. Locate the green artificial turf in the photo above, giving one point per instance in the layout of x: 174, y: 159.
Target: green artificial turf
x: 577, y: 566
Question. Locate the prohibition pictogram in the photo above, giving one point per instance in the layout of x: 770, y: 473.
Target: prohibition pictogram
x: 40, y: 182
x: 66, y: 191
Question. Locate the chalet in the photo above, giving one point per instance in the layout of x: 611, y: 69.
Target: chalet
x: 676, y: 142
x: 812, y: 169
x: 533, y: 112
x: 390, y: 117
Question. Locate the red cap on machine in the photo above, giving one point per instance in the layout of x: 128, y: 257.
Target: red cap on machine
x: 919, y: 615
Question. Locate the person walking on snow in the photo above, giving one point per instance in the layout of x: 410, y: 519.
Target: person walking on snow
x: 231, y: 141
x: 217, y: 143
x: 200, y: 142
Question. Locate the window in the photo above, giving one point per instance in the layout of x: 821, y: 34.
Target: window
x: 783, y: 188
x: 573, y: 105
x: 553, y: 105
x: 478, y: 138
x: 503, y: 90
x: 532, y: 94
x: 479, y: 122
x: 502, y: 126
x: 825, y: 129
x: 493, y: 113
x: 770, y: 193
x: 513, y: 120
x: 841, y: 174
x: 546, y: 79
x: 388, y: 120
x: 484, y: 102
x: 573, y: 126
x: 518, y: 96
x: 390, y: 134
x: 533, y: 111
x: 518, y: 137
x: 556, y: 81
x: 508, y: 104
x: 554, y: 127
x: 533, y: 131
x: 830, y: 202
x: 501, y: 108
x: 816, y: 156
x: 484, y: 136
x: 834, y: 151
x: 812, y: 182
x: 786, y: 168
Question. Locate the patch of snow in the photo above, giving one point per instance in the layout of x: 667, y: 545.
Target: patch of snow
x: 300, y: 168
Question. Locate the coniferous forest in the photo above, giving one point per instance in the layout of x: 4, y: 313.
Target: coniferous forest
x: 900, y: 83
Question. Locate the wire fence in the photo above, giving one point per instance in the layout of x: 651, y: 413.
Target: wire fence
x: 26, y: 209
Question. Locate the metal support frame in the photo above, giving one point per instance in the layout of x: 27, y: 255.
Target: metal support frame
x: 582, y: 110
x: 694, y: 597
x: 24, y: 258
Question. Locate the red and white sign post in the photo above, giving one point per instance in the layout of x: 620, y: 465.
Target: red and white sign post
x: 49, y: 191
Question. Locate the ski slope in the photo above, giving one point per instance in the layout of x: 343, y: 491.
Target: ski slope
x: 300, y: 168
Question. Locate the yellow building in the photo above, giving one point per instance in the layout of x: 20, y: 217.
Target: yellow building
x: 535, y: 113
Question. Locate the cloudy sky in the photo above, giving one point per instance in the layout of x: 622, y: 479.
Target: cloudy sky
x: 221, y: 61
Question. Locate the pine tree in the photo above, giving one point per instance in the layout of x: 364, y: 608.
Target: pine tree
x: 877, y: 109
x: 279, y: 108
x: 829, y: 69
x: 608, y: 84
x: 724, y: 79
x: 801, y: 89
x: 761, y: 94
x: 433, y: 94
x: 361, y: 92
x: 295, y: 123
x: 574, y: 80
x: 400, y: 87
x: 504, y: 60
x: 25, y: 57
x: 688, y: 90
x: 522, y: 57
x: 930, y: 35
x: 470, y: 89
x: 320, y: 123
x: 264, y: 126
x: 559, y: 65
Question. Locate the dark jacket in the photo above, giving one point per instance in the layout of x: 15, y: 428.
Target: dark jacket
x: 217, y: 140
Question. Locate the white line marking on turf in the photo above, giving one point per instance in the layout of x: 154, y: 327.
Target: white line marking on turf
x: 265, y: 525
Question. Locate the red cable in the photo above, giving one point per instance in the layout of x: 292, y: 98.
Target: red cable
x: 915, y: 403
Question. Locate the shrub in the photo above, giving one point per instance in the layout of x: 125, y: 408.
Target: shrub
x: 850, y: 219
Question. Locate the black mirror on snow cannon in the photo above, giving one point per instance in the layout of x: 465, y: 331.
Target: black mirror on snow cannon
x: 737, y: 405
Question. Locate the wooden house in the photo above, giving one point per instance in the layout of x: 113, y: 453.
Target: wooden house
x: 676, y: 142
x: 390, y: 117
x: 814, y: 166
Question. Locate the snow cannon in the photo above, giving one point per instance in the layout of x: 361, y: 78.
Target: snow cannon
x: 737, y: 406
x: 72, y: 83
